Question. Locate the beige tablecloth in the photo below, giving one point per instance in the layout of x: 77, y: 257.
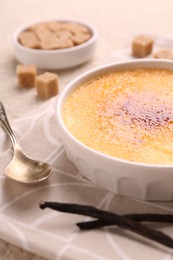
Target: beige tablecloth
x: 48, y: 233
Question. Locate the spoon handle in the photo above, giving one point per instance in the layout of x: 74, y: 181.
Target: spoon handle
x: 6, y: 125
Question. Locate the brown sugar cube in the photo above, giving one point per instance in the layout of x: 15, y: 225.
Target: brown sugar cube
x: 65, y: 43
x: 47, y: 85
x: 29, y: 39
x: 142, y: 46
x: 40, y: 30
x: 48, y: 40
x: 71, y: 27
x: 55, y: 26
x: 65, y: 39
x: 65, y: 34
x: 26, y: 75
x: 37, y: 27
x: 164, y: 54
x: 80, y: 38
x: 76, y: 28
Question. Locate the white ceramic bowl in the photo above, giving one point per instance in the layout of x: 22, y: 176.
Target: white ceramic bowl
x: 132, y: 179
x: 56, y: 59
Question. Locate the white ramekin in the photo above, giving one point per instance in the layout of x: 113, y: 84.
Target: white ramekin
x: 55, y: 59
x: 132, y: 179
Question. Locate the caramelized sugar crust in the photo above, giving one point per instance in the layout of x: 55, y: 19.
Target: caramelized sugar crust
x: 125, y: 114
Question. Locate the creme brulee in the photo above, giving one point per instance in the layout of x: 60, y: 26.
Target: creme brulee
x: 125, y: 114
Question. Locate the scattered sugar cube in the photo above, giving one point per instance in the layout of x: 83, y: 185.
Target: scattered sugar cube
x: 47, y: 85
x: 164, y: 54
x: 142, y: 46
x: 26, y: 75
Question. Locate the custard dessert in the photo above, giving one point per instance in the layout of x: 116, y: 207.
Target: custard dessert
x: 125, y: 114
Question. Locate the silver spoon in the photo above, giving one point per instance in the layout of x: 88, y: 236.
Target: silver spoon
x: 22, y: 168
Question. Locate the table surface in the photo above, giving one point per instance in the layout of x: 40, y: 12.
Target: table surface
x: 116, y: 21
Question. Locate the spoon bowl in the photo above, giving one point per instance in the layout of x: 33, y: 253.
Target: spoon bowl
x: 22, y: 168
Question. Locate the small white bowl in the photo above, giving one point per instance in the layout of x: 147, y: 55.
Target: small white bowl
x: 56, y: 59
x: 132, y: 179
